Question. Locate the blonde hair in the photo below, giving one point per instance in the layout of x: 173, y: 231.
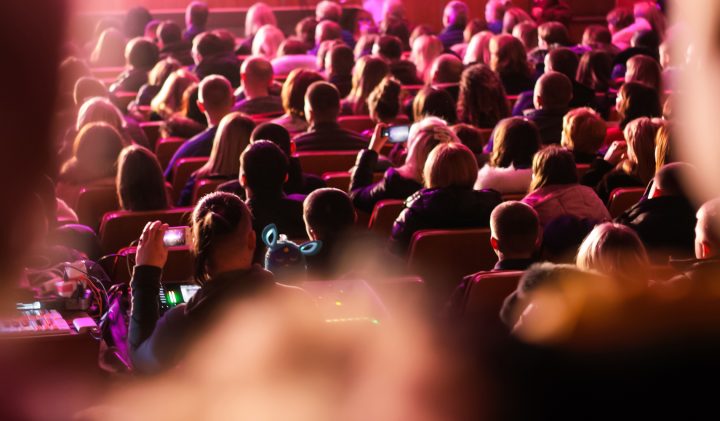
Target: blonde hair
x: 170, y: 98
x: 99, y: 109
x: 640, y: 135
x: 231, y: 139
x: 583, y: 130
x: 425, y: 49
x: 424, y: 136
x: 258, y: 15
x: 162, y: 71
x: 478, y: 49
x: 267, y: 41
x: 450, y: 164
x: 645, y: 70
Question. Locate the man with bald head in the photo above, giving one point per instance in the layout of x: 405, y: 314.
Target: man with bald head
x: 705, y: 270
x: 256, y: 76
x: 455, y: 17
x: 553, y: 92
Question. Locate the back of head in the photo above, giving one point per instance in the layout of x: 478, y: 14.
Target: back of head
x: 384, y: 100
x: 553, y: 165
x: 327, y: 30
x: 513, y: 16
x: 207, y: 45
x: 562, y: 237
x: 99, y: 110
x: 264, y: 168
x: 515, y: 142
x: 135, y: 20
x: 619, y: 18
x: 671, y: 179
x: 328, y: 10
x: 70, y: 70
x: 527, y: 32
x: 390, y: 47
x: 169, y: 32
x: 227, y: 40
x: 231, y: 139
x: 434, y: 102
x: 88, y: 87
x: 553, y: 90
x: 637, y: 100
x: 399, y: 29
x: 495, y: 10
x: 341, y: 60
x: 553, y: 33
x: 596, y: 36
x: 141, y: 53
x: 140, y: 182
x: 328, y: 213
x: 369, y: 71
x: 95, y: 151
x: 478, y: 49
x: 109, y: 49
x: 583, y: 130
x: 215, y: 93
x: 450, y: 164
x: 640, y: 135
x: 267, y: 41
x: 648, y: 40
x: 507, y: 55
x: 292, y: 47
x: 257, y: 72
x: 425, y: 49
x: 446, y: 68
x: 455, y: 14
x: 664, y: 145
x: 595, y: 70
x: 469, y: 136
x: 516, y: 228
x: 197, y: 14
x: 482, y: 100
x: 323, y: 99
x: 294, y: 90
x: 644, y: 69
x: 424, y: 136
x: 162, y: 70
x: 274, y: 133
x: 169, y: 99
x: 563, y: 60
x: 305, y: 31
x: 258, y: 15
x: 221, y: 226
x: 650, y: 11
x: 707, y: 230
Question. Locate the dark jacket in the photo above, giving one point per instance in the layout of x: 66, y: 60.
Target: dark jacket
x: 343, y: 83
x: 444, y: 208
x: 549, y: 123
x: 157, y: 342
x: 329, y: 137
x: 285, y: 212
x: 191, y: 32
x: 298, y: 183
x: 451, y: 35
x: 262, y: 105
x: 365, y: 194
x: 405, y: 72
x: 514, y: 84
x: 666, y: 225
x: 146, y: 93
x: 130, y: 80
x: 582, y: 97
x: 198, y: 146
x: 226, y: 65
x: 179, y: 51
x: 605, y: 178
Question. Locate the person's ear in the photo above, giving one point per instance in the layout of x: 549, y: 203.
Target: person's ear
x: 243, y: 180
x: 705, y: 250
x: 494, y: 243
x: 200, y: 106
x: 287, y: 177
x: 537, y: 101
x: 293, y: 147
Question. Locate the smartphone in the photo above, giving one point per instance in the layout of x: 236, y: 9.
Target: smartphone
x: 397, y: 134
x: 176, y: 236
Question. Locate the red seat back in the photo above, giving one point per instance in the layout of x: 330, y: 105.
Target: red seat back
x: 338, y: 179
x: 152, y: 132
x: 181, y: 172
x: 119, y: 229
x: 486, y: 294
x: 623, y: 199
x: 384, y: 215
x: 205, y: 186
x: 582, y: 169
x: 166, y: 148
x: 321, y: 162
x: 94, y: 202
x: 123, y: 99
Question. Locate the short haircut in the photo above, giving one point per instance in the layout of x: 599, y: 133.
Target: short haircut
x: 565, y: 61
x: 208, y: 44
x: 708, y: 223
x: 305, y: 31
x: 257, y: 71
x: 553, y: 165
x: 141, y: 53
x: 390, y: 46
x: 596, y: 36
x: 265, y: 167
x: 583, y: 130
x: 554, y: 89
x: 342, y: 60
x: 455, y: 13
x: 447, y: 69
x: 553, y: 33
x: 327, y: 30
x: 328, y: 10
x: 292, y: 46
x: 294, y: 90
x: 470, y: 136
x: 434, y: 102
x: 215, y: 93
x: 328, y: 212
x: 450, y: 164
x: 672, y: 178
x: 197, y: 14
x: 169, y: 32
x: 88, y: 87
x: 620, y: 17
x: 515, y: 226
x: 324, y: 100
x: 275, y: 133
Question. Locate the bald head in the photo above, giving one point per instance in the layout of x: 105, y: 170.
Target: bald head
x: 328, y: 10
x: 256, y: 75
x: 670, y: 179
x: 553, y: 91
x: 515, y: 230
x: 455, y: 13
x: 215, y: 97
x: 707, y: 230
x: 447, y: 68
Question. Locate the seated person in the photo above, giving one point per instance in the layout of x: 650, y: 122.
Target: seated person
x: 292, y: 54
x: 329, y: 11
x: 256, y: 76
x: 171, y: 43
x: 448, y: 200
x: 293, y: 99
x: 223, y: 247
x: 339, y: 63
x: 325, y: 31
x: 636, y: 100
x: 455, y: 17
x: 703, y: 271
x: 88, y: 87
x: 384, y: 103
x: 215, y: 100
x: 583, y: 133
x: 494, y: 13
x: 196, y: 16
x: 482, y: 100
x: 263, y: 170
x: 140, y: 183
x: 401, y: 182
x: 368, y: 72
x: 322, y: 107
x: 446, y: 71
x: 140, y: 57
x: 390, y: 49
x: 212, y: 57
x: 158, y: 76
x: 555, y: 192
x: 515, y: 141
x: 509, y: 60
x: 665, y: 221
x: 553, y: 92
x: 433, y: 102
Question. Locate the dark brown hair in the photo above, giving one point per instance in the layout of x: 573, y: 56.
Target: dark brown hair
x: 294, y: 89
x: 515, y: 142
x: 553, y: 166
x: 140, y: 183
x: 481, y: 99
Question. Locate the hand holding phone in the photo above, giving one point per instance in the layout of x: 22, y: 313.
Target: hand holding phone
x: 397, y: 134
x: 151, y: 251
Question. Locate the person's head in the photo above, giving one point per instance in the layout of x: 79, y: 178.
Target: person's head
x: 552, y: 33
x: 169, y: 99
x: 196, y: 14
x: 256, y: 75
x: 223, y: 237
x: 644, y: 69
x: 388, y: 47
x: 365, y: 44
x: 109, y: 49
x: 707, y: 230
x: 99, y: 110
x: 562, y: 237
x: 305, y: 31
x: 294, y: 90
x: 292, y: 47
x: 636, y: 100
x: 274, y: 133
x: 258, y: 15
x: 267, y: 41
x: 446, y: 68
x: 263, y: 169
x: 647, y: 40
x: 399, y: 29
x: 553, y: 91
x: 551, y: 166
x: 513, y: 16
x: 455, y: 14
x: 640, y: 137
x: 481, y: 100
x: 562, y: 60
x: 583, y: 131
x: 367, y: 74
x: 616, y: 251
x: 206, y: 45
x: 135, y: 21
x: 595, y: 70
x: 527, y: 33
x: 514, y: 230
x: 95, y: 152
x: 151, y: 30
x: 227, y: 40
x: 140, y: 182
x: 168, y: 33
x: 69, y: 72
x: 190, y: 108
x: 88, y: 87
x: 384, y: 101
x: 515, y: 142
x: 450, y: 164
x: 328, y: 10
x: 671, y: 179
x: 418, y: 31
x: 507, y: 55
x: 424, y: 136
x: 328, y: 213
x: 664, y: 146
x: 215, y: 98
x: 470, y: 136
x: 478, y: 49
x: 231, y: 139
x: 340, y: 60
x: 473, y: 27
x: 425, y: 49
x: 162, y: 70
x: 618, y: 19
x: 495, y: 10
x: 434, y: 102
x: 327, y: 30
x: 141, y: 53
x: 596, y: 36
x: 322, y: 103
x: 650, y: 11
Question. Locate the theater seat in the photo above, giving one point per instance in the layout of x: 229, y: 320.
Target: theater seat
x: 119, y: 229
x: 152, y: 132
x: 178, y: 268
x: 443, y: 257
x: 581, y: 169
x: 360, y: 123
x: 513, y: 196
x: 94, y: 202
x: 384, y: 215
x: 107, y: 72
x: 486, y: 293
x: 166, y: 148
x: 205, y: 186
x: 320, y: 162
x: 337, y: 179
x: 123, y: 99
x: 183, y: 169
x: 623, y: 199
x: 485, y: 135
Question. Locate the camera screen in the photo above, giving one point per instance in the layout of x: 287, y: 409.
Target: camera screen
x: 175, y: 237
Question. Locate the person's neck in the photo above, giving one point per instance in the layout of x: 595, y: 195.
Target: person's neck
x: 252, y: 92
x: 250, y: 194
x: 226, y: 265
x: 323, y: 122
x: 214, y: 118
